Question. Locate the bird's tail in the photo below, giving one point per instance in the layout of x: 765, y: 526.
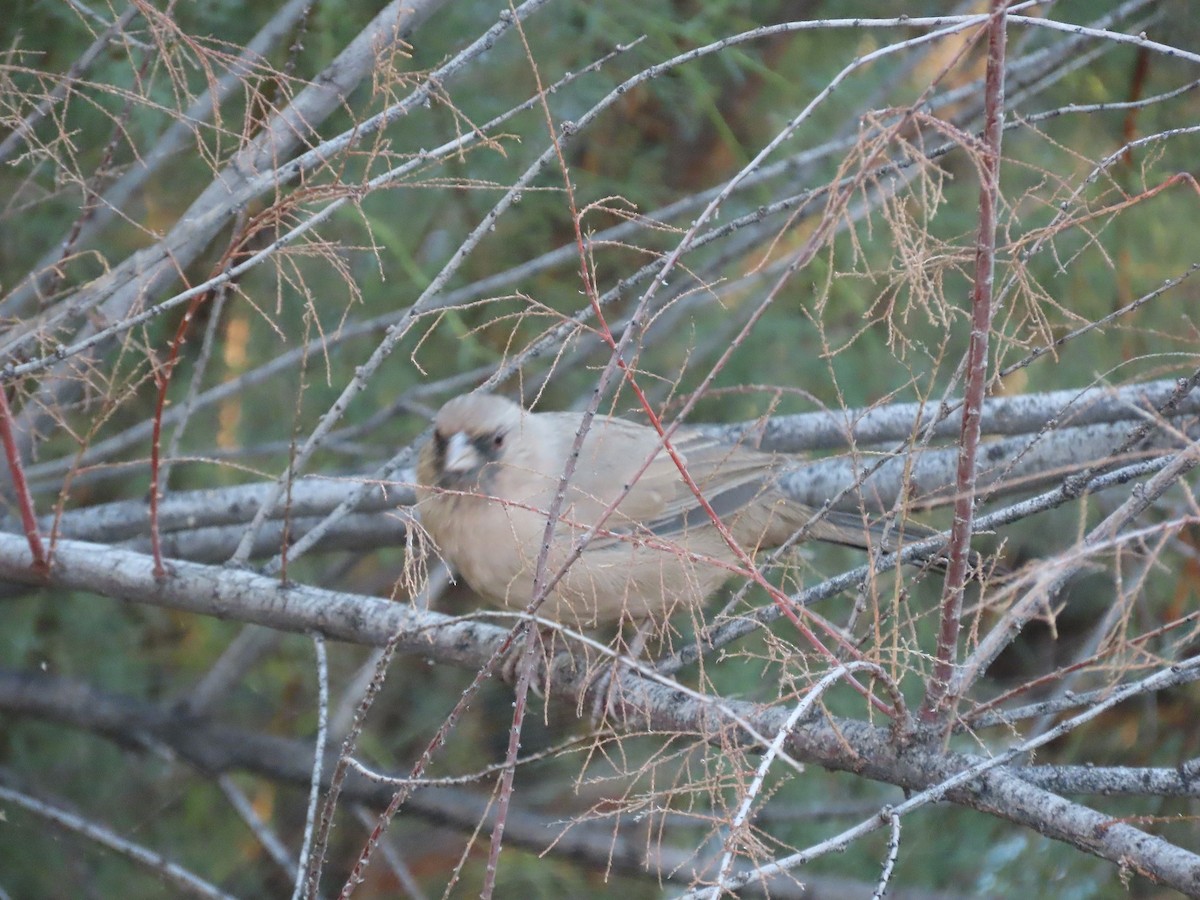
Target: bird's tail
x: 853, y: 529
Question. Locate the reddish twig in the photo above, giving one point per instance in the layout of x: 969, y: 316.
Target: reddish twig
x: 162, y: 379
x: 162, y: 373
x: 937, y: 699
x: 41, y: 563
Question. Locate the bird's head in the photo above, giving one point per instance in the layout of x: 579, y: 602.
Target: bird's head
x: 471, y: 437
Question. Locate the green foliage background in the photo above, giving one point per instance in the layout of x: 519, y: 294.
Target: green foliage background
x: 687, y: 130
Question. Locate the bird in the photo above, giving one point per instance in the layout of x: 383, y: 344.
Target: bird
x: 489, y: 474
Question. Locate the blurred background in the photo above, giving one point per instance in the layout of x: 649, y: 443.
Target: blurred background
x: 834, y: 274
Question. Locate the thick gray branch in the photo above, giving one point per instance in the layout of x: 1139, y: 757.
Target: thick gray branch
x: 215, y: 748
x: 1022, y: 414
x: 844, y: 745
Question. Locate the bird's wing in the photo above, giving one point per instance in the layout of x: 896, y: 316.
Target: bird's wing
x: 658, y: 500
x: 612, y: 453
x: 737, y: 484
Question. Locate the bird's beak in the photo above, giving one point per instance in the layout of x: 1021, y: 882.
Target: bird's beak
x: 461, y: 455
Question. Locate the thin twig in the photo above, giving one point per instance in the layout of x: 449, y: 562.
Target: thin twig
x: 958, y: 550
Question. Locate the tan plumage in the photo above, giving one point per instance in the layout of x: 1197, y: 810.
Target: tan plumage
x: 491, y: 470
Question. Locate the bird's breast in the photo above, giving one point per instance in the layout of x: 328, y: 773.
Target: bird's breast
x: 486, y: 540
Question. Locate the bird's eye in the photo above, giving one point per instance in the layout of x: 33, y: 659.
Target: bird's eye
x: 498, y: 440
